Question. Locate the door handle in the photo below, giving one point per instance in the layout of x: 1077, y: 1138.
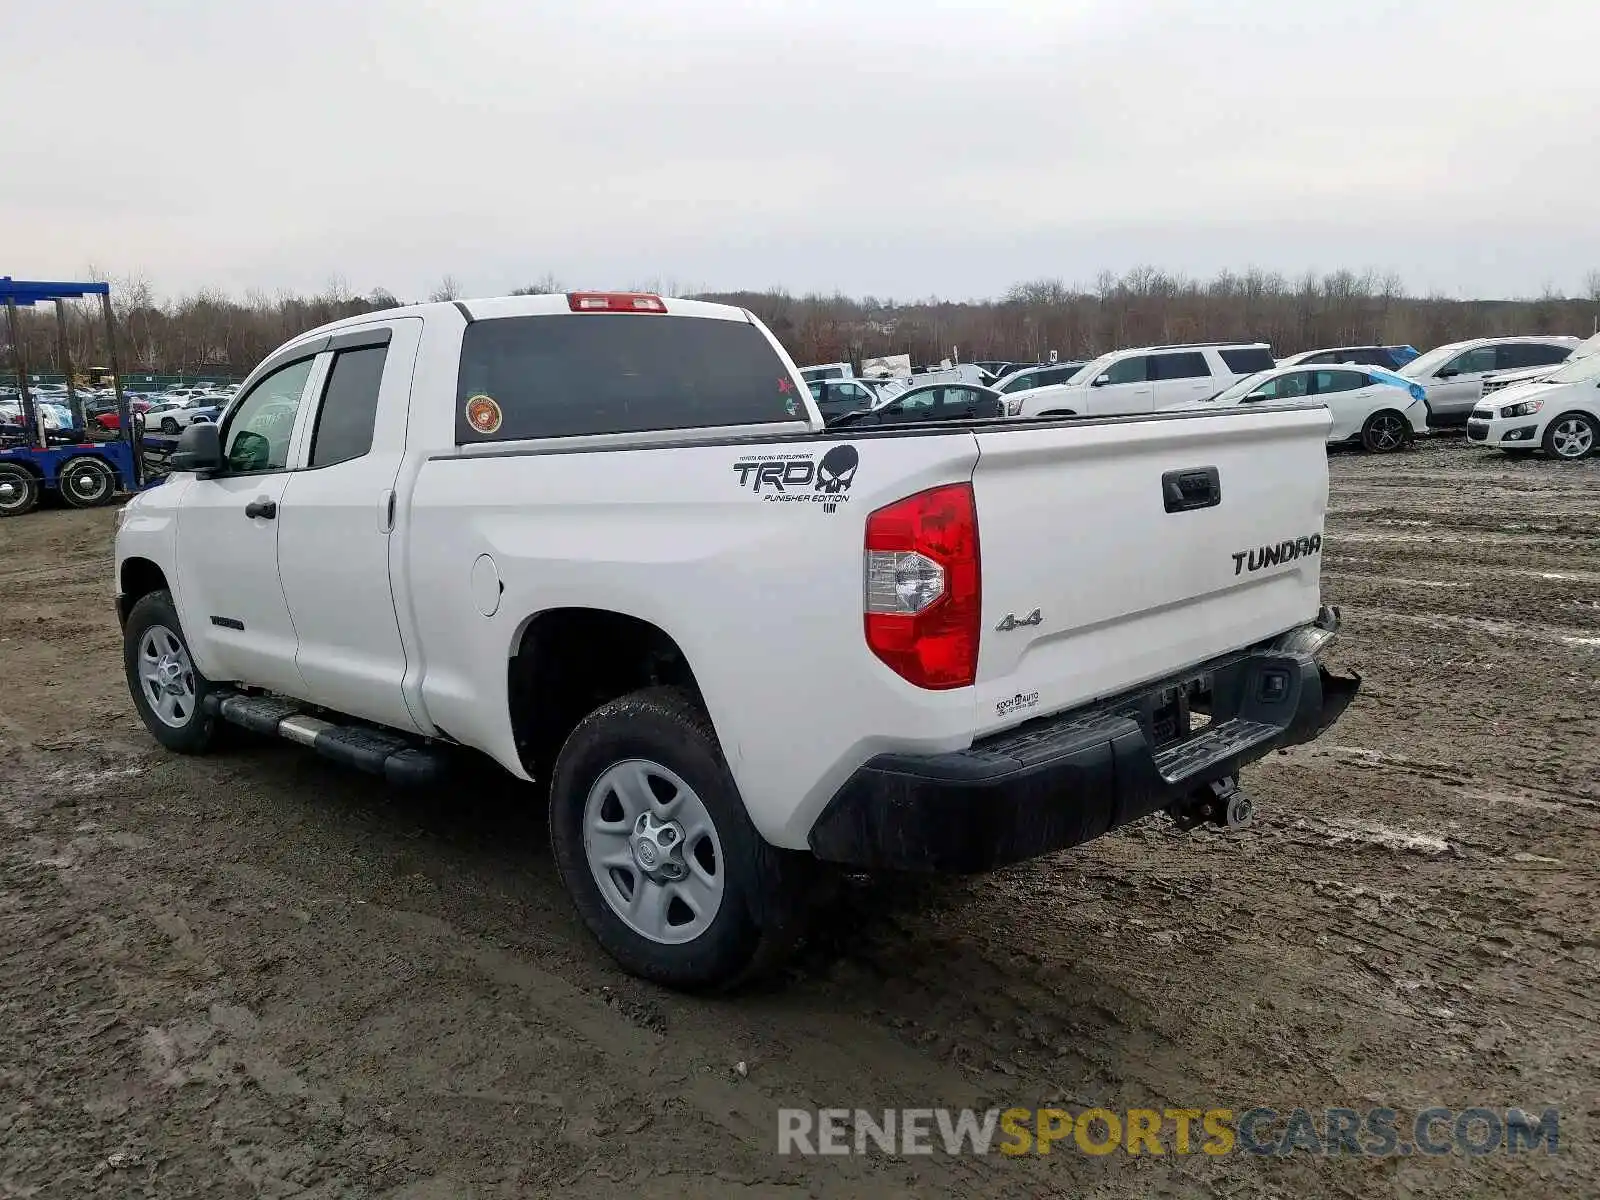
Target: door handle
x: 263, y: 508
x: 1197, y: 487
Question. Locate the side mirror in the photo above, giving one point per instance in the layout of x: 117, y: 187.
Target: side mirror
x: 199, y: 449
x: 1447, y: 373
x: 1102, y: 380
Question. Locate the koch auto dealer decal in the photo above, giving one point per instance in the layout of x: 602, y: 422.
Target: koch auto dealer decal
x: 801, y: 478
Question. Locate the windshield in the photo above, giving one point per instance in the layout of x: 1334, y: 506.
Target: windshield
x: 1585, y: 349
x: 1426, y: 364
x: 1243, y: 388
x: 1578, y: 370
x: 1090, y: 369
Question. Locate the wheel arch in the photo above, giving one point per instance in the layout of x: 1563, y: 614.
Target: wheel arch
x: 31, y: 467
x: 137, y: 577
x: 1587, y: 413
x: 567, y: 662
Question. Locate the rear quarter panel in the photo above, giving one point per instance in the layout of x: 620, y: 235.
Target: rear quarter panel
x: 761, y: 587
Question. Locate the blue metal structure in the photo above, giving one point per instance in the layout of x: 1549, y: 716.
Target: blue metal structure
x: 75, y: 469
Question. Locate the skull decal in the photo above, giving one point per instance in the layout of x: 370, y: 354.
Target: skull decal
x: 837, y: 469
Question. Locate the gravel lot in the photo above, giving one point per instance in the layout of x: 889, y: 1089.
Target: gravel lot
x: 256, y: 974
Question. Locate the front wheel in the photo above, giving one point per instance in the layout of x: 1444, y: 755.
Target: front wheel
x: 19, y: 490
x: 168, y: 690
x: 86, y: 482
x: 168, y: 425
x: 657, y: 852
x: 1571, y: 436
x: 1385, y: 432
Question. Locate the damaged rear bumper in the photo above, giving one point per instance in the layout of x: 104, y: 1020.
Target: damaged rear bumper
x: 1065, y: 779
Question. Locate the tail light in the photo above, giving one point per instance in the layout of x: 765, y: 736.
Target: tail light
x: 923, y: 594
x: 643, y: 302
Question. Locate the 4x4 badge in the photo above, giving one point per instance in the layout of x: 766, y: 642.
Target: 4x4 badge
x: 1013, y: 622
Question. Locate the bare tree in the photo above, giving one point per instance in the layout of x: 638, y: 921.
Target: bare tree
x: 226, y: 334
x: 446, y: 289
x: 546, y: 285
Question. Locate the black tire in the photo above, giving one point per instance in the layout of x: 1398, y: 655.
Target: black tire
x: 1385, y: 432
x: 19, y: 490
x: 762, y: 904
x: 1564, y: 437
x: 169, y: 426
x: 86, y: 482
x: 197, y: 732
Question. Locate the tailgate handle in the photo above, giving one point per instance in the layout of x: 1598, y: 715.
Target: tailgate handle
x: 1196, y: 487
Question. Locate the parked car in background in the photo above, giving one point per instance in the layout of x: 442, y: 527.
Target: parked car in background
x: 57, y: 417
x: 1454, y: 375
x: 835, y: 397
x: 1371, y: 406
x: 1559, y: 415
x: 1505, y: 379
x: 177, y: 417
x: 826, y: 371
x: 1389, y: 357
x: 1028, y: 378
x: 930, y: 402
x: 1147, y: 378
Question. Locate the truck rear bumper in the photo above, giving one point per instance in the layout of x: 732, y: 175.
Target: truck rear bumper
x: 1065, y: 779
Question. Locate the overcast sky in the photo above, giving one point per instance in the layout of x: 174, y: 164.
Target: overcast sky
x: 902, y: 148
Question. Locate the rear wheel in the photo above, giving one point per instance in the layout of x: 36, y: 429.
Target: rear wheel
x: 86, y: 482
x: 168, y: 690
x: 19, y: 490
x: 1385, y: 432
x: 1571, y: 436
x: 657, y: 852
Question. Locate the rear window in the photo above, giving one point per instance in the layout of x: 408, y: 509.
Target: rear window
x: 1249, y: 360
x: 572, y: 375
x: 1516, y: 355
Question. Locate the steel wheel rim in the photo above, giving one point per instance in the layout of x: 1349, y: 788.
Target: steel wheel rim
x: 1572, y: 437
x: 13, y: 494
x: 641, y: 823
x: 1386, y: 433
x: 166, y: 676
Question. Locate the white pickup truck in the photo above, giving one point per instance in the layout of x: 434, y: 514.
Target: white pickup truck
x: 606, y: 540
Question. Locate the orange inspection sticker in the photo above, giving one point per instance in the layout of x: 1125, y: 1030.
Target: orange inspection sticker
x: 483, y: 414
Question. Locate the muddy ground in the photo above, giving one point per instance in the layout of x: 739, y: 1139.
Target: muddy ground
x: 257, y: 974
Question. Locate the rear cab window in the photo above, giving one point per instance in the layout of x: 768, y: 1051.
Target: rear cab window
x: 574, y: 375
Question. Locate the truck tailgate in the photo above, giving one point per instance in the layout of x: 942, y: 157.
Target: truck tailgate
x: 1107, y: 562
